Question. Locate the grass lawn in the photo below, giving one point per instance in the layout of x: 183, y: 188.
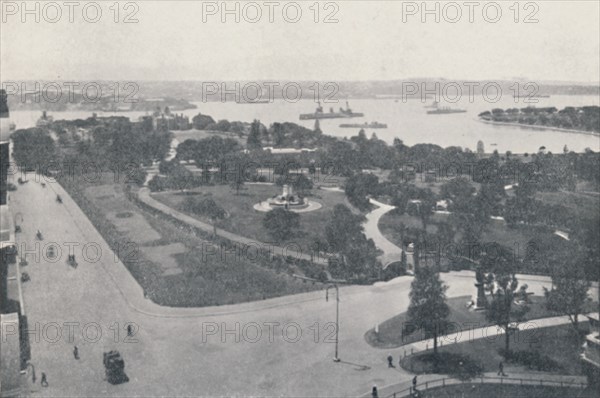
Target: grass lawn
x: 496, y: 232
x: 390, y: 332
x: 583, y: 205
x: 506, y: 391
x: 389, y: 225
x: 245, y: 221
x: 554, y: 349
x: 168, y: 262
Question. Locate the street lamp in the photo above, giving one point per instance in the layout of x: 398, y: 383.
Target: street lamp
x: 332, y: 283
x: 337, y: 317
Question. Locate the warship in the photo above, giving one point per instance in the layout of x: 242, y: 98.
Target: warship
x: 319, y: 114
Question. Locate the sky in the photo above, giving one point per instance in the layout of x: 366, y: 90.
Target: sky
x: 365, y: 40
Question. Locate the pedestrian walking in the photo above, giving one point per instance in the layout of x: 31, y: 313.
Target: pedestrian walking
x: 390, y: 360
x: 501, y: 369
x: 414, y: 383
x: 129, y: 330
x: 374, y: 393
x: 76, y: 352
x: 44, y: 381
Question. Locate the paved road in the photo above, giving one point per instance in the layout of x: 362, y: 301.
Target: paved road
x: 279, y: 347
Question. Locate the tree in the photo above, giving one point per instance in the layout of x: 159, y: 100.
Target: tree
x: 360, y: 259
x: 503, y: 285
x: 403, y: 263
x: 206, y: 207
x: 280, y: 223
x: 223, y: 125
x: 200, y: 121
x: 302, y: 183
x: 33, y: 148
x: 569, y: 291
x: 213, y: 211
x: 254, y: 141
x: 358, y: 187
x: 237, y: 183
x: 428, y: 309
x: 342, y: 228
x: 427, y: 198
x: 181, y: 177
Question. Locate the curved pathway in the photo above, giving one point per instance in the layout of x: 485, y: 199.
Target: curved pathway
x: 391, y: 252
x: 144, y: 196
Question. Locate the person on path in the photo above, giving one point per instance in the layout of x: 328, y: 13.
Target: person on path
x: 374, y: 393
x: 501, y: 369
x: 76, y: 352
x: 390, y: 359
x: 414, y: 383
x: 44, y: 381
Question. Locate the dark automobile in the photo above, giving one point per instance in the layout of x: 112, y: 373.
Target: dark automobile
x: 114, y: 367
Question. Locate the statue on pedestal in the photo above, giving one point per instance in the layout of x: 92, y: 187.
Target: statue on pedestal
x: 480, y: 302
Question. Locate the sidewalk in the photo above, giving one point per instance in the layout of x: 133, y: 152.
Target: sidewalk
x: 480, y: 333
x: 427, y: 381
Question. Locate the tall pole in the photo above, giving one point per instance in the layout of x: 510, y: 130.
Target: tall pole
x: 337, y: 317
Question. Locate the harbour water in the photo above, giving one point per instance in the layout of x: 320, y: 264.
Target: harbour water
x: 407, y: 120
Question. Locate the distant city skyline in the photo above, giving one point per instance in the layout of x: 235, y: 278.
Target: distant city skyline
x: 172, y: 43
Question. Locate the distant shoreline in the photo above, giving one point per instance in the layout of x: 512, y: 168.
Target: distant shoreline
x: 528, y: 126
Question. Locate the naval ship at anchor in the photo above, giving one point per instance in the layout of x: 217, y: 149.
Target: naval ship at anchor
x: 342, y: 114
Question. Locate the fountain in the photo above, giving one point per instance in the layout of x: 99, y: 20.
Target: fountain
x: 288, y: 201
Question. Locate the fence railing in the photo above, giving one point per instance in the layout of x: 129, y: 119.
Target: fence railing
x: 448, y: 381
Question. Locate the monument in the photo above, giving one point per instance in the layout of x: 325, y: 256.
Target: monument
x: 288, y: 201
x: 480, y: 302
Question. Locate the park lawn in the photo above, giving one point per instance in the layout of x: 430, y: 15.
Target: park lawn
x: 389, y: 225
x: 580, y: 204
x: 247, y: 222
x: 515, y: 238
x: 201, y: 280
x: 390, y: 331
x: 556, y: 348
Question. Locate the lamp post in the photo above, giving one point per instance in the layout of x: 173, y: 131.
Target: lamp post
x: 332, y: 283
x: 337, y: 317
